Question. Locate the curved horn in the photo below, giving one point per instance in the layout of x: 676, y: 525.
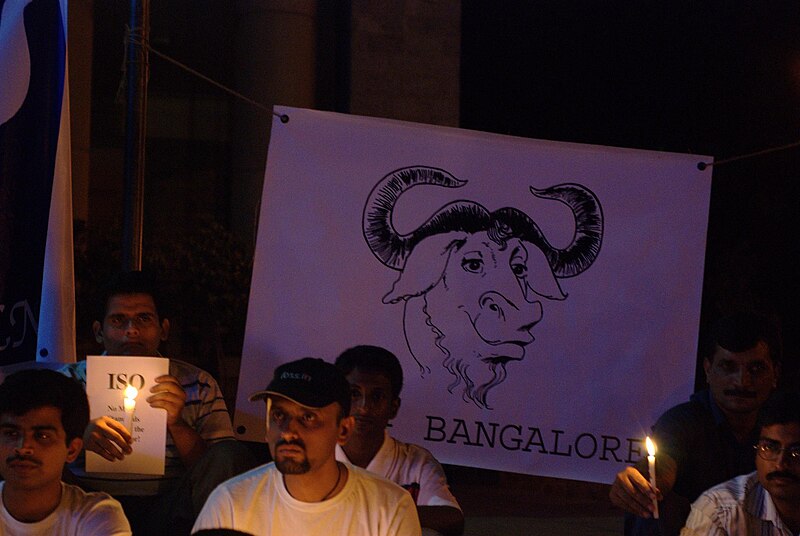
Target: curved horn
x: 390, y: 247
x: 588, y: 237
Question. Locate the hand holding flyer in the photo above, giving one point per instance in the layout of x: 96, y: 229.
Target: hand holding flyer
x: 112, y: 385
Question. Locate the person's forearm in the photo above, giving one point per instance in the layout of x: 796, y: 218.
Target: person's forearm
x: 445, y: 519
x: 190, y: 445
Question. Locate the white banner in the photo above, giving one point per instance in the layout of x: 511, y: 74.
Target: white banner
x: 542, y: 297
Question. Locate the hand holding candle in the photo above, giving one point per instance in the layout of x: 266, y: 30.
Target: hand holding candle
x: 129, y: 403
x: 651, y: 465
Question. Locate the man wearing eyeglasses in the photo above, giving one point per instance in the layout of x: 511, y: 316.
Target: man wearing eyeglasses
x: 709, y: 439
x: 766, y: 502
x: 200, y: 451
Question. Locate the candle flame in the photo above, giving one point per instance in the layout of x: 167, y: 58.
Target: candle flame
x: 131, y: 392
x: 651, y: 447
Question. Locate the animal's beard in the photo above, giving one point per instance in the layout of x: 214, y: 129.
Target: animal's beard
x: 478, y: 374
x: 479, y: 394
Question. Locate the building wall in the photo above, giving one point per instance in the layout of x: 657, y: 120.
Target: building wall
x: 405, y: 58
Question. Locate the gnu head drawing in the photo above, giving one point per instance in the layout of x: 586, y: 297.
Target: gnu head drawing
x: 477, y: 281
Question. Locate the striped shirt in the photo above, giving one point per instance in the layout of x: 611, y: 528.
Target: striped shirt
x: 205, y: 411
x: 740, y: 506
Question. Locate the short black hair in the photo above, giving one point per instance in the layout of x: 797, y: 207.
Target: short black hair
x: 373, y: 359
x: 132, y: 282
x: 782, y: 407
x: 742, y: 331
x: 31, y: 389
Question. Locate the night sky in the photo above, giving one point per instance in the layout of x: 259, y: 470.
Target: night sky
x: 706, y: 77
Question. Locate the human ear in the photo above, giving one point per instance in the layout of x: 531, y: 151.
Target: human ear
x: 395, y: 408
x: 74, y: 448
x: 97, y: 328
x: 165, y: 329
x: 346, y: 426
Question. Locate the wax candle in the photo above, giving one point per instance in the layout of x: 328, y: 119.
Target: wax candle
x: 651, y: 465
x: 129, y: 403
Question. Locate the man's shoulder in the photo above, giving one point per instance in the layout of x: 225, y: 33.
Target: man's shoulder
x: 378, y: 484
x: 255, y: 477
x: 411, y: 452
x: 733, y: 492
x: 695, y: 410
x: 730, y: 507
x: 70, y: 369
x: 95, y: 507
x: 77, y: 496
x: 188, y: 372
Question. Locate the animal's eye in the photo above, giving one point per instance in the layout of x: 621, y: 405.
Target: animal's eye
x: 472, y: 265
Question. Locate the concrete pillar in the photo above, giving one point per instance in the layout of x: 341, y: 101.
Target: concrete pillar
x: 274, y: 64
x: 405, y: 60
x: 80, y: 30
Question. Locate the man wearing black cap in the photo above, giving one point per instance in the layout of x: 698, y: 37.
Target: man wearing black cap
x: 305, y: 490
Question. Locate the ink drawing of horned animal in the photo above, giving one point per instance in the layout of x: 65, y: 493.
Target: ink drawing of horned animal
x: 476, y: 278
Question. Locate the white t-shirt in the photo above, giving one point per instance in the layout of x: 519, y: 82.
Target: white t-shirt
x: 78, y: 514
x: 257, y: 502
x: 412, y: 467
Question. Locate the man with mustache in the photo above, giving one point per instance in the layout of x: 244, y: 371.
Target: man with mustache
x: 305, y: 490
x: 376, y: 379
x: 709, y: 439
x: 767, y: 501
x: 42, y: 418
x: 200, y: 450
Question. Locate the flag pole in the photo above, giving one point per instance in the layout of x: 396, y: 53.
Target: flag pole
x: 138, y: 73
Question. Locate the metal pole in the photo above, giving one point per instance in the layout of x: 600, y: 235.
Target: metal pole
x: 138, y: 73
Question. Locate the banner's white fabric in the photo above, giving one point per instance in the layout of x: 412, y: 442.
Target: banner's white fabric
x: 56, y: 337
x: 544, y: 317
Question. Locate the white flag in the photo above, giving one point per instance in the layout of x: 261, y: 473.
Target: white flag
x: 56, y: 340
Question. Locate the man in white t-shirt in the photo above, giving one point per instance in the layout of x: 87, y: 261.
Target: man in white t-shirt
x: 306, y: 490
x: 42, y: 418
x: 376, y: 379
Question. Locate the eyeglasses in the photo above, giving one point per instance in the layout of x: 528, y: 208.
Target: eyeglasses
x: 142, y: 320
x: 772, y: 450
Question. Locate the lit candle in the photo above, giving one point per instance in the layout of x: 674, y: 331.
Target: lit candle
x: 129, y: 402
x: 651, y: 465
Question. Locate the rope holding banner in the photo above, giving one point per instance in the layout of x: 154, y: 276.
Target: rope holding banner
x: 283, y: 117
x: 703, y: 165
